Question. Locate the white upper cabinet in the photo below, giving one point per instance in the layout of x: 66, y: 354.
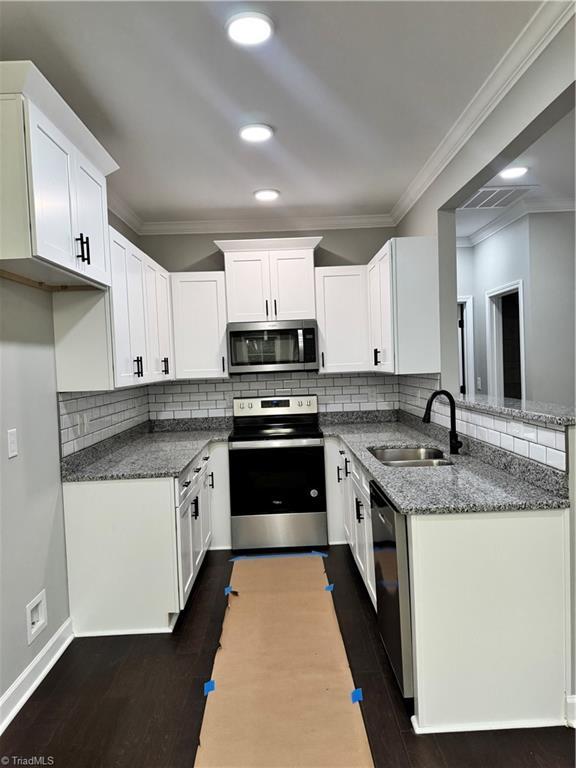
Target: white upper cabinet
x: 52, y: 185
x: 292, y: 284
x: 199, y: 325
x: 403, y: 300
x: 91, y: 235
x: 270, y: 279
x: 342, y: 314
x: 164, y: 318
x: 51, y: 192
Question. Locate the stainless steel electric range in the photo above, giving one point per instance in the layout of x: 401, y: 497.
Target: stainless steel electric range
x: 277, y: 484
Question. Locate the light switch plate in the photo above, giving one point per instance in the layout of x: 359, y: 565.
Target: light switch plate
x: 12, y: 444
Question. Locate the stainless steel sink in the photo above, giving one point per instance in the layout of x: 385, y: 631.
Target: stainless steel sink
x: 410, y: 457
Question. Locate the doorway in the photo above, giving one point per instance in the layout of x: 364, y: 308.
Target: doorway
x: 505, y: 341
x: 466, y: 344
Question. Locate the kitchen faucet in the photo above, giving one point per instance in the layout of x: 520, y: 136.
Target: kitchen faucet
x: 455, y: 443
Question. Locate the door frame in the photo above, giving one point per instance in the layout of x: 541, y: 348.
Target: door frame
x: 470, y: 372
x: 494, y: 337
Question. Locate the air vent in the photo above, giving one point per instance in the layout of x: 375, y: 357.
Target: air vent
x: 496, y: 197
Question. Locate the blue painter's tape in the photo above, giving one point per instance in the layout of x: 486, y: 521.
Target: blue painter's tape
x: 227, y: 590
x: 209, y: 686
x: 329, y: 588
x: 357, y: 695
x: 312, y: 553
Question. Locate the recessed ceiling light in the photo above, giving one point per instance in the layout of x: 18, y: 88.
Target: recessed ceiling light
x: 256, y: 133
x: 513, y: 173
x: 266, y: 195
x: 249, y: 28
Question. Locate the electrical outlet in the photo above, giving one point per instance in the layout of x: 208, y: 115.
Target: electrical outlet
x: 478, y: 383
x: 12, y: 443
x: 36, y: 616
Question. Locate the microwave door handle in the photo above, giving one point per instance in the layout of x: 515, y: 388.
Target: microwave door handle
x: 300, y: 345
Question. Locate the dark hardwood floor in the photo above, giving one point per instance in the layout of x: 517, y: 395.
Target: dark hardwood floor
x: 137, y: 701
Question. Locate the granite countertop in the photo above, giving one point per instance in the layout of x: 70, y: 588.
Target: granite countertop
x: 469, y: 485
x: 154, y: 454
x: 528, y: 410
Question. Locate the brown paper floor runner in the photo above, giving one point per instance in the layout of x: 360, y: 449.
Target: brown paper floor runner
x: 283, y: 684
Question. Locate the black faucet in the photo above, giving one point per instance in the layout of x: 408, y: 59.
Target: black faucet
x: 455, y: 443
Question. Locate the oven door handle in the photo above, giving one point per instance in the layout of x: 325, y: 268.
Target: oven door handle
x: 304, y: 442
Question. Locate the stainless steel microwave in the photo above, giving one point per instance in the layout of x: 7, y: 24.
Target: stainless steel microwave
x: 286, y: 345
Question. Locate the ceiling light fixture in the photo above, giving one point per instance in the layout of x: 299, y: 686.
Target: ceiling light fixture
x: 256, y: 133
x: 249, y: 28
x: 266, y: 195
x: 513, y: 173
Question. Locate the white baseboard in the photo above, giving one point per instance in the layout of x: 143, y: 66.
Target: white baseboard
x: 26, y: 683
x: 571, y: 711
x: 499, y: 725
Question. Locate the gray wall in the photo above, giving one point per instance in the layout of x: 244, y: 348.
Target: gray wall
x: 32, y: 551
x: 550, y: 365
x: 550, y: 74
x: 339, y: 247
x: 539, y: 250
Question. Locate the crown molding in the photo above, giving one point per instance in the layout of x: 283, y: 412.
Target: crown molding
x: 536, y: 35
x: 289, y: 224
x: 514, y: 213
x: 268, y: 244
x: 123, y: 211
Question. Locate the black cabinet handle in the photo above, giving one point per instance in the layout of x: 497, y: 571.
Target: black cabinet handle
x: 346, y: 471
x: 205, y: 458
x: 211, y: 481
x: 266, y: 309
x: 322, y: 359
x: 223, y: 364
x: 195, y: 508
x: 339, y: 474
x: 165, y: 368
x: 376, y: 353
x: 359, y: 516
x: 275, y: 309
x: 84, y: 242
x: 341, y: 453
x: 139, y: 366
x: 186, y: 483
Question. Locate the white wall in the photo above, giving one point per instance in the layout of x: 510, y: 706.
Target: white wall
x: 32, y: 551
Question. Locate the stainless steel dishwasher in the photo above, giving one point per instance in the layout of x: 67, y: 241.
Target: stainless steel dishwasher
x: 393, y: 587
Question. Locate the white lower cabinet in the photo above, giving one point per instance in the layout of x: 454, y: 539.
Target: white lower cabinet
x: 349, y: 513
x: 199, y: 300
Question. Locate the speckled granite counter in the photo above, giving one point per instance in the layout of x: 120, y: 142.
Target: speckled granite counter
x: 155, y: 454
x: 468, y: 485
x: 525, y: 410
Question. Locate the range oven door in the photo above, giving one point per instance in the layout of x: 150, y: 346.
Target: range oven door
x: 275, y: 346
x: 277, y: 494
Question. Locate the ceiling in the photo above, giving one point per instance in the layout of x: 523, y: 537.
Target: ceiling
x: 551, y: 178
x: 360, y: 94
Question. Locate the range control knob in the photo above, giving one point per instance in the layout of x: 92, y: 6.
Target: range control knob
x: 249, y: 405
x: 308, y: 402
x: 241, y: 406
x: 300, y: 403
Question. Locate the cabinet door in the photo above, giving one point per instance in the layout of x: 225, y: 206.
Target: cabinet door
x: 199, y: 325
x: 375, y: 314
x: 206, y: 508
x: 197, y: 540
x: 185, y: 551
x: 369, y: 553
x: 292, y: 285
x: 336, y: 493
x: 92, y: 219
x: 124, y: 368
x: 135, y: 261
x: 154, y: 365
x: 51, y: 172
x: 248, y: 286
x: 164, y: 300
x: 342, y: 314
x: 386, y: 285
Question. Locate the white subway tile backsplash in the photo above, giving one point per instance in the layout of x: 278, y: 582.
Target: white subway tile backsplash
x: 506, y: 442
x: 521, y: 446
x: 537, y: 452
x: 555, y: 458
x: 546, y: 437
